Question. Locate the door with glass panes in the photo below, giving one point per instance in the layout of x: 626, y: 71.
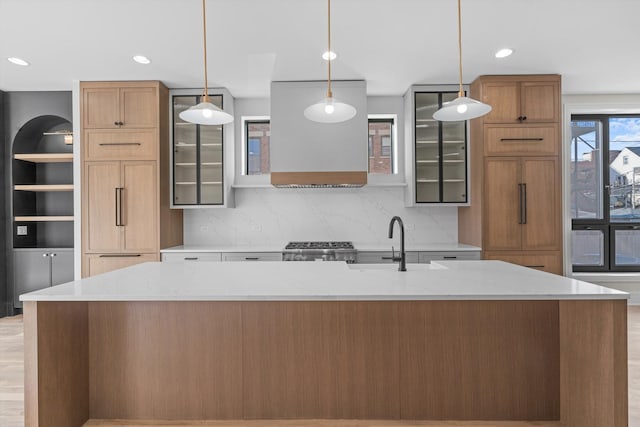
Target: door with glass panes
x: 198, y: 177
x: 440, y: 152
x: 605, y: 192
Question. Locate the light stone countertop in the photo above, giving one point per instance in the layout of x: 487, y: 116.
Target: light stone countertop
x: 362, y: 247
x: 323, y: 281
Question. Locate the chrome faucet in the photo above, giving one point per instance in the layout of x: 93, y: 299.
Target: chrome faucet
x: 402, y: 258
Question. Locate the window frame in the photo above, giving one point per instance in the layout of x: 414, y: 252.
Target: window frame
x: 604, y: 224
x: 246, y: 121
x: 382, y: 118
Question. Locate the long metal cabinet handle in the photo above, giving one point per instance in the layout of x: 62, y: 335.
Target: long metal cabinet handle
x: 520, y: 203
x: 119, y: 143
x: 116, y: 206
x: 121, y: 220
x: 524, y: 203
x: 119, y: 256
x: 521, y: 139
x: 191, y: 258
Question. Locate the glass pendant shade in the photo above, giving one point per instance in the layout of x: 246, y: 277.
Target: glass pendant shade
x: 329, y: 110
x: 205, y: 113
x: 461, y: 108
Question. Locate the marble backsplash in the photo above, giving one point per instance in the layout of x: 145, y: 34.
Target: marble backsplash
x: 270, y: 216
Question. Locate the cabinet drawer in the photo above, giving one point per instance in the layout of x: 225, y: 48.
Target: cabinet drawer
x: 102, y: 263
x: 191, y: 256
x: 120, y: 144
x: 426, y: 257
x: 550, y: 262
x: 252, y: 256
x: 519, y: 140
x: 383, y: 257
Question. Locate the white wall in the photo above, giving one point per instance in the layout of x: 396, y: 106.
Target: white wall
x: 269, y: 216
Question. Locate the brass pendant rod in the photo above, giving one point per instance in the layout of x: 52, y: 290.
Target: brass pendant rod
x: 460, y: 91
x: 204, y: 32
x: 329, y: 94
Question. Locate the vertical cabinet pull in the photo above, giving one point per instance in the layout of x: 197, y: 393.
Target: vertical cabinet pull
x: 117, y: 207
x: 520, y: 203
x: 119, y: 222
x: 524, y: 202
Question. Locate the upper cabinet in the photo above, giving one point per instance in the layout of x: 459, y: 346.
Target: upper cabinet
x: 198, y: 153
x: 439, y: 161
x: 521, y: 99
x: 127, y: 107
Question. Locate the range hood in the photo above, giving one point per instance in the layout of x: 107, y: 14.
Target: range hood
x: 308, y: 154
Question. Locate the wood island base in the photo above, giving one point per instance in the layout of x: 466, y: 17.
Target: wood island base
x: 326, y: 363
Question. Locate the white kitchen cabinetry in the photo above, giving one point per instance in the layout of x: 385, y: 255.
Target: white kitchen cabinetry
x: 191, y: 256
x: 252, y: 256
x: 427, y: 257
x: 384, y: 257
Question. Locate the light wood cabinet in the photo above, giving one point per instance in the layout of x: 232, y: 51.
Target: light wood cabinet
x: 521, y: 99
x: 515, y: 213
x: 545, y: 261
x: 109, y: 105
x: 103, y: 263
x: 121, y: 207
x: 521, y: 200
x: 126, y: 217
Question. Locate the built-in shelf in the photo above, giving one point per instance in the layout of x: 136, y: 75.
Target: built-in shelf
x: 211, y: 182
x: 45, y: 157
x: 427, y: 181
x: 185, y: 183
x: 44, y: 187
x: 43, y: 218
x: 211, y: 163
x: 185, y: 164
x: 426, y: 142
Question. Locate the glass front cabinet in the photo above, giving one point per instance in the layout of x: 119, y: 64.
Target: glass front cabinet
x: 439, y: 152
x: 198, y: 156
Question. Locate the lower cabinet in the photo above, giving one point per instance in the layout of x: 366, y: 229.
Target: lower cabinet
x: 40, y: 268
x: 548, y: 261
x: 191, y: 256
x: 251, y: 256
x: 385, y: 257
x: 427, y: 257
x: 102, y: 263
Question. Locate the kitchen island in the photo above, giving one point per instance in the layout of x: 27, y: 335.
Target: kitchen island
x: 459, y: 340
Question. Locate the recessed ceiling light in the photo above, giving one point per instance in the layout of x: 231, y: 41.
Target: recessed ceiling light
x: 17, y: 61
x: 503, y: 53
x: 141, y: 59
x: 329, y: 56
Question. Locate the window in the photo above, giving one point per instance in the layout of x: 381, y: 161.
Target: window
x: 605, y: 192
x: 381, y: 146
x: 257, y: 135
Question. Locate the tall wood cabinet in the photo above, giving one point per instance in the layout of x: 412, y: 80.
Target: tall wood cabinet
x: 515, y: 213
x: 126, y: 217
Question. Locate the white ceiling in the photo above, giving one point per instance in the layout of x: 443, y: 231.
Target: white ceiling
x: 392, y: 44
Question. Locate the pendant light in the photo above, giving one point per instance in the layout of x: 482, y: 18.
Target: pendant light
x: 205, y: 113
x: 461, y: 108
x: 329, y: 109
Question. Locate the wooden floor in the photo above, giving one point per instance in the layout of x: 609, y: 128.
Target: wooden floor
x: 12, y: 391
